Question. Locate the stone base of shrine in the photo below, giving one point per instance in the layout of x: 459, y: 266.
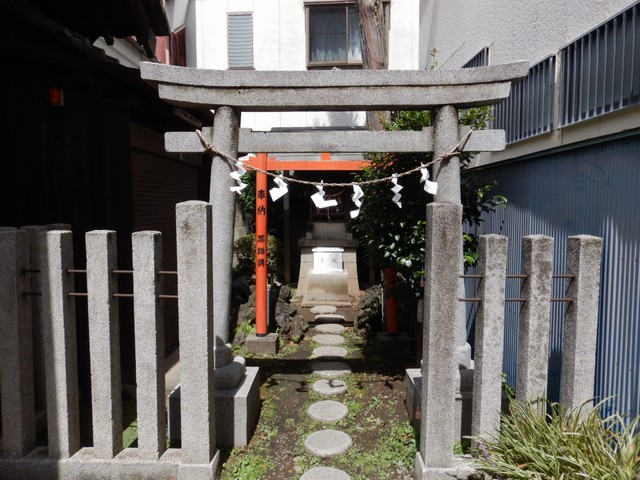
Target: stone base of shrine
x: 461, y: 468
x: 309, y: 252
x: 464, y: 397
x: 327, y: 289
x: 237, y: 412
x: 261, y: 346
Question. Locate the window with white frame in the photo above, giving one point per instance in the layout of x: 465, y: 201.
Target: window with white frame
x: 240, y: 40
x: 333, y: 34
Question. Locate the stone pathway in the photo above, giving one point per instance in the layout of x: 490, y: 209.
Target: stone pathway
x: 329, y: 442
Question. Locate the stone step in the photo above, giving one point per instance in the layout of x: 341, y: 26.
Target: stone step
x: 323, y: 309
x: 329, y: 352
x: 329, y: 318
x: 331, y: 369
x: 327, y: 411
x: 327, y: 443
x: 329, y: 386
x: 328, y: 339
x: 325, y: 473
x: 333, y: 328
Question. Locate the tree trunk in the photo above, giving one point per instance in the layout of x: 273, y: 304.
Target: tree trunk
x: 374, y: 48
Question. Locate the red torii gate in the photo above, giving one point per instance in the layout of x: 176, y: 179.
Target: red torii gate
x: 265, y: 163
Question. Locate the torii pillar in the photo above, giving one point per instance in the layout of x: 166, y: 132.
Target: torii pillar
x: 225, y: 140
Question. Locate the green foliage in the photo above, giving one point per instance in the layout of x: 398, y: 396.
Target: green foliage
x: 245, y: 251
x: 247, y: 467
x: 399, y: 446
x: 254, y: 463
x: 507, y: 389
x: 462, y: 447
x: 395, y: 237
x: 541, y: 440
x: 245, y: 328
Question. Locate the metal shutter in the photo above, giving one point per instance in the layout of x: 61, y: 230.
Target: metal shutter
x: 240, y: 40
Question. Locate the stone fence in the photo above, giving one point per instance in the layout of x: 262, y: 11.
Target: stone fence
x: 438, y: 393
x: 52, y: 283
x: 37, y: 264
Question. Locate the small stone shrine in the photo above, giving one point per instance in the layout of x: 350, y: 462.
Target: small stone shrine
x: 328, y: 266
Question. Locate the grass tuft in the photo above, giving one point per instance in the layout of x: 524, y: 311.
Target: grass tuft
x: 542, y: 440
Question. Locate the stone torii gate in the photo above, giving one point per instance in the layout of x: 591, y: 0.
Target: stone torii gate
x: 230, y: 93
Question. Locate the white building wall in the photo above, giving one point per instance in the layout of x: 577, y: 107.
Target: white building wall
x: 514, y: 30
x: 404, y: 35
x: 279, y: 32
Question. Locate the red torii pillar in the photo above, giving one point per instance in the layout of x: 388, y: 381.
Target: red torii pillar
x: 261, y: 246
x: 391, y: 303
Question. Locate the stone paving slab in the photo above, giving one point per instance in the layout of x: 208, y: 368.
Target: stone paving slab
x: 327, y: 443
x: 329, y: 386
x: 323, y: 309
x: 325, y: 473
x: 329, y: 352
x: 328, y: 339
x: 331, y: 369
x: 333, y: 328
x: 330, y: 318
x: 327, y: 411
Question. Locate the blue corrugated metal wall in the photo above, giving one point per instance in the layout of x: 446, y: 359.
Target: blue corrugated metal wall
x: 592, y: 190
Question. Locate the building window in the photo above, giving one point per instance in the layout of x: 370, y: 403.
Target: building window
x: 529, y: 109
x: 334, y: 35
x: 240, y: 40
x: 601, y: 70
x: 481, y: 59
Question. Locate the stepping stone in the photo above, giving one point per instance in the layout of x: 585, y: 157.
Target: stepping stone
x: 330, y: 328
x: 329, y: 386
x: 323, y: 309
x: 328, y: 339
x: 327, y: 411
x: 327, y: 443
x: 325, y: 473
x: 330, y: 318
x: 329, y: 352
x: 331, y: 369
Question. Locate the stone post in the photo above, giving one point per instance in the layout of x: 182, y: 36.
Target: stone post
x: 16, y: 351
x: 196, y: 326
x: 225, y: 140
x: 535, y: 314
x: 104, y: 343
x: 439, y: 364
x: 487, y: 380
x: 149, y: 341
x: 59, y: 340
x: 580, y: 327
x: 446, y: 135
x: 38, y: 362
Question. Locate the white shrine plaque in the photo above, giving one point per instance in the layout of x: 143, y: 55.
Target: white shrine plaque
x: 327, y: 259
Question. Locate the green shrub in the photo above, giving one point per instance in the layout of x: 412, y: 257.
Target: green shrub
x: 245, y: 251
x: 541, y: 440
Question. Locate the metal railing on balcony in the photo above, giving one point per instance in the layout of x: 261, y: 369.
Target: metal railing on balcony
x: 529, y: 109
x: 601, y: 69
